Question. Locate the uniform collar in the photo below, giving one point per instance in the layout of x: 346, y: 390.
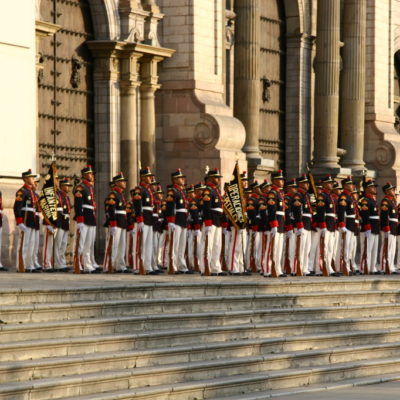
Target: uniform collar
x: 87, y: 183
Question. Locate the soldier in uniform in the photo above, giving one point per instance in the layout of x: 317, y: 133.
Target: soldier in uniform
x: 369, y: 235
x: 326, y: 221
x: 276, y: 221
x: 38, y: 220
x: 159, y: 236
x: 177, y: 217
x: 346, y: 211
x: 25, y: 218
x: 265, y: 229
x: 63, y: 224
x: 212, y: 204
x: 143, y: 204
x: 1, y: 230
x: 389, y: 222
x: 116, y: 204
x: 253, y: 223
x: 85, y: 217
x: 304, y: 224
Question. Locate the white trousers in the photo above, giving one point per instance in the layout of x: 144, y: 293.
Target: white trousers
x: 36, y: 241
x: 60, y: 243
x: 305, y: 248
x: 28, y: 247
x: 213, y: 252
x: 314, y: 258
x: 179, y: 249
x: 194, y: 247
x: 236, y: 251
x: 147, y: 248
x: 266, y: 254
x: 254, y: 245
x: 371, y: 251
x: 156, y: 244
x: 161, y: 247
x: 275, y: 254
x: 329, y: 242
x: 165, y: 249
x: 227, y: 242
x: 86, y: 248
x: 391, y: 252
x: 1, y: 238
x: 48, y: 243
x: 118, y: 251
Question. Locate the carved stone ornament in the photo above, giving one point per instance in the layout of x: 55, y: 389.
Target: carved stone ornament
x: 266, y: 93
x: 75, y: 75
x: 384, y: 155
x: 203, y: 135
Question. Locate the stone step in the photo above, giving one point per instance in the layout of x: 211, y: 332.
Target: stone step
x: 194, y: 341
x: 120, y: 290
x: 182, y: 381
x: 223, y: 355
x: 65, y: 311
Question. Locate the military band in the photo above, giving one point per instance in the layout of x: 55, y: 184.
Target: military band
x: 293, y: 227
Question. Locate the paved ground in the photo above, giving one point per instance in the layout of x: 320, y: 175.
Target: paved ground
x: 13, y: 280
x: 384, y: 391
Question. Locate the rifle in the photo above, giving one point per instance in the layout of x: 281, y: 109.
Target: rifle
x: 274, y: 274
x: 343, y: 265
x: 21, y: 265
x: 253, y: 266
x: 322, y: 256
x: 130, y: 246
x: 364, y: 257
x: 195, y: 260
x: 77, y: 269
x: 139, y: 252
x: 297, y: 263
x: 385, y: 256
x: 108, y: 256
x: 206, y: 265
x: 171, y: 269
x: 287, y: 269
x: 223, y: 261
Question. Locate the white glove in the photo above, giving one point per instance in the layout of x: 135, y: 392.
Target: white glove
x: 274, y: 231
x: 50, y: 228
x: 171, y: 226
x: 368, y: 233
x: 265, y: 233
x: 225, y: 231
x: 300, y: 232
x: 322, y: 230
x: 113, y: 230
x: 386, y: 234
x: 289, y: 234
x: 343, y: 230
x: 22, y: 227
x: 140, y: 226
x: 80, y: 226
x: 207, y: 230
x: 133, y: 231
x: 196, y: 232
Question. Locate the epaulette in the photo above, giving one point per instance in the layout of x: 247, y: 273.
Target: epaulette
x: 19, y: 195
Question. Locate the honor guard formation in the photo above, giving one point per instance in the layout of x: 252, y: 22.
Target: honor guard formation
x: 278, y: 228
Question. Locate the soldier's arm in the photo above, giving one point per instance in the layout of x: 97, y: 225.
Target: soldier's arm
x: 78, y: 204
x: 364, y: 213
x: 385, y: 208
x: 320, y: 215
x: 271, y: 206
x: 18, y: 204
x: 137, y: 203
x: 341, y: 211
x: 206, y: 207
x: 110, y: 209
x: 170, y: 210
x: 297, y: 211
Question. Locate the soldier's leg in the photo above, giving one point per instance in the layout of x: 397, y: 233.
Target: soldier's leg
x: 182, y: 266
x: 278, y: 252
x: 115, y: 247
x: 391, y: 251
x: 266, y: 262
x: 160, y: 250
x: 314, y: 259
x: 374, y: 240
x: 48, y: 243
x: 215, y: 256
x: 292, y: 253
x: 234, y: 252
x: 26, y: 250
x: 329, y: 247
x: 35, y: 255
x: 1, y: 242
x: 147, y: 247
x: 305, y: 249
x: 176, y: 248
x: 58, y: 236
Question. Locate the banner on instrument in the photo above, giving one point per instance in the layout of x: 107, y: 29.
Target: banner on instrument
x: 48, y: 196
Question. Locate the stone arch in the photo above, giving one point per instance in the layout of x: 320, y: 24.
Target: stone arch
x: 295, y: 21
x: 105, y: 17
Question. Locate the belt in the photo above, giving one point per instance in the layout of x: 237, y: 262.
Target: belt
x: 37, y: 214
x: 148, y: 208
x: 66, y: 216
x: 182, y: 210
x: 59, y: 209
x: 280, y: 213
x: 155, y: 215
x: 31, y: 209
x: 374, y: 217
x: 351, y: 216
x: 123, y: 212
x: 307, y: 215
x: 88, y: 206
x: 393, y: 219
x: 333, y: 215
x: 217, y: 209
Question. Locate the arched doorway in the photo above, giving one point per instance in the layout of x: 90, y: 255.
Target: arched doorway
x: 65, y: 88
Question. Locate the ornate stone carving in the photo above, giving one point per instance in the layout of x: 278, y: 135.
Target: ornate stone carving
x: 266, y: 93
x: 203, y: 135
x: 229, y: 28
x: 75, y: 76
x: 132, y: 20
x: 384, y: 155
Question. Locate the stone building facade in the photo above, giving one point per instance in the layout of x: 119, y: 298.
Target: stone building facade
x: 191, y: 83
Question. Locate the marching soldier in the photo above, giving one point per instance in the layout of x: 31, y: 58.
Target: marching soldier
x: 177, y: 217
x: 346, y: 211
x: 143, y: 203
x: 304, y: 224
x: 389, y: 222
x: 326, y: 221
x: 85, y: 217
x: 25, y: 218
x: 63, y: 225
x: 116, y: 205
x: 276, y: 220
x: 369, y: 235
x: 212, y: 216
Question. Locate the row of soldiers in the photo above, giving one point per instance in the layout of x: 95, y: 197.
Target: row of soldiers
x: 187, y: 230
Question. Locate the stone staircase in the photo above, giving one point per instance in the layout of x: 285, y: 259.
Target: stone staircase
x: 209, y: 339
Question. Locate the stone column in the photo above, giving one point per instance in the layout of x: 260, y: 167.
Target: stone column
x: 247, y: 74
x: 129, y: 135
x: 352, y: 94
x: 148, y: 73
x: 327, y: 71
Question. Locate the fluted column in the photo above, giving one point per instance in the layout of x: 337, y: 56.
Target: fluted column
x: 148, y: 88
x: 247, y: 74
x: 352, y: 94
x: 327, y: 71
x: 129, y: 144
